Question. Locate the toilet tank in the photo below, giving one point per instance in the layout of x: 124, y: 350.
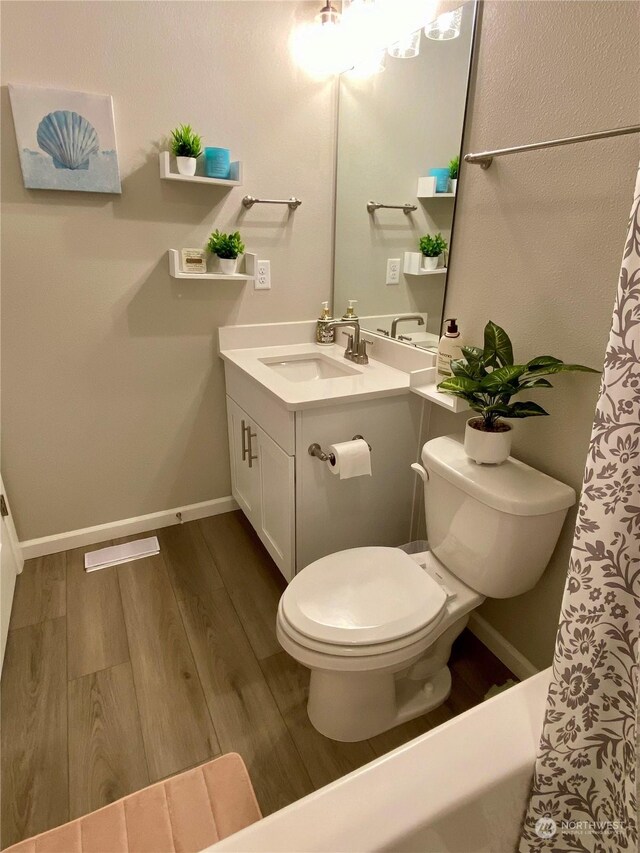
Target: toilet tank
x: 493, y: 526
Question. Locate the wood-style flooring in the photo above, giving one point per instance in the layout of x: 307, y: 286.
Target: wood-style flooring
x: 125, y: 676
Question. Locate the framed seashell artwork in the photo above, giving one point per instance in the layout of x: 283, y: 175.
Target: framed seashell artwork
x: 66, y: 140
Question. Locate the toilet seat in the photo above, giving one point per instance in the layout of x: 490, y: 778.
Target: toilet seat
x: 363, y: 601
x: 373, y: 651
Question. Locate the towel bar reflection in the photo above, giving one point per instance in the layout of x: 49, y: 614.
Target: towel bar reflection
x: 292, y: 203
x: 318, y: 452
x: 372, y: 206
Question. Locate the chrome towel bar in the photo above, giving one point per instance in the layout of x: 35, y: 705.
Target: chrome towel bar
x: 372, y: 206
x: 318, y: 452
x: 292, y: 203
x: 485, y: 158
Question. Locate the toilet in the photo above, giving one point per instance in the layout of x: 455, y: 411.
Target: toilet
x: 375, y: 625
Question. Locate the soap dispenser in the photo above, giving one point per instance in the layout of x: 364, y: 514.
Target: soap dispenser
x: 449, y: 348
x: 350, y: 313
x: 325, y: 334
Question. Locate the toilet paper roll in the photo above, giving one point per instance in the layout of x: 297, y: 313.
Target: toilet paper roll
x: 352, y: 459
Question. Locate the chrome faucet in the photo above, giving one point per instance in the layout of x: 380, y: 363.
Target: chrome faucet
x: 394, y: 325
x: 356, y: 350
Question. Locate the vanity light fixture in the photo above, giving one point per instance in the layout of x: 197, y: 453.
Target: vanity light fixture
x: 407, y: 47
x: 320, y: 47
x: 445, y: 27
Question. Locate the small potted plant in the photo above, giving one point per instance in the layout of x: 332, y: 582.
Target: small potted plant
x: 454, y: 165
x: 487, y: 379
x: 227, y: 248
x: 186, y: 146
x: 432, y: 248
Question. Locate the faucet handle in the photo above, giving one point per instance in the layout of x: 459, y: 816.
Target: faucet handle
x: 361, y: 356
x: 349, y: 351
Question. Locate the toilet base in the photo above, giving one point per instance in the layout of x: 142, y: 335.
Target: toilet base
x: 355, y: 705
x: 349, y: 710
x: 415, y: 699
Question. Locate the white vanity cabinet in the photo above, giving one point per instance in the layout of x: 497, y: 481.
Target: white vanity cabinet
x: 281, y: 399
x: 263, y: 484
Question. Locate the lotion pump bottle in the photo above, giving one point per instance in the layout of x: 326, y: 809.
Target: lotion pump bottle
x: 350, y: 313
x: 325, y: 335
x: 449, y: 348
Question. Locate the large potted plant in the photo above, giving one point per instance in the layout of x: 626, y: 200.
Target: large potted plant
x: 432, y: 248
x: 186, y: 147
x: 454, y: 166
x: 487, y: 379
x: 227, y: 248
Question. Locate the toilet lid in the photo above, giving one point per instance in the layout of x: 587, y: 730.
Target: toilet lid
x: 362, y: 596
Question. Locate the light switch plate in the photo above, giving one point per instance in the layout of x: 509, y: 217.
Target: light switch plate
x: 263, y: 275
x: 393, y: 271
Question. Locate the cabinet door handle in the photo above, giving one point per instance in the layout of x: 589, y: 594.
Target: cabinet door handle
x: 250, y: 449
x: 244, y: 429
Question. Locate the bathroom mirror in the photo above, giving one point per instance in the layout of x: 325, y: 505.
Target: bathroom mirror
x: 394, y: 127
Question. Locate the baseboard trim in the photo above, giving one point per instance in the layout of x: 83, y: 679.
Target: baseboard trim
x: 519, y: 665
x: 125, y: 527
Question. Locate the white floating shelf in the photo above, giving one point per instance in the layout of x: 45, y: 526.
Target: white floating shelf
x: 424, y: 382
x: 169, y: 172
x: 427, y: 189
x: 247, y: 265
x: 413, y: 265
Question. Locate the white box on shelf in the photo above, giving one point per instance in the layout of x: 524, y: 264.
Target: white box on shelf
x: 413, y: 265
x: 247, y: 269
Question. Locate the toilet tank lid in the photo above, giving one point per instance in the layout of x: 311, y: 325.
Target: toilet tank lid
x: 512, y: 487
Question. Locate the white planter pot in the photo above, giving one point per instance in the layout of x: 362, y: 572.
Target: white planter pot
x: 430, y: 263
x: 487, y: 448
x: 186, y: 165
x: 454, y: 185
x: 228, y: 266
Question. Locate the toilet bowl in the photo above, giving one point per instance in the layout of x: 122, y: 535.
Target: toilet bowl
x: 375, y: 625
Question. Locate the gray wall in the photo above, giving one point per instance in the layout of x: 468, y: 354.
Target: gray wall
x: 113, y: 398
x: 539, y: 236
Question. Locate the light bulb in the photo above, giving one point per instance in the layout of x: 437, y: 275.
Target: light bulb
x: 320, y: 48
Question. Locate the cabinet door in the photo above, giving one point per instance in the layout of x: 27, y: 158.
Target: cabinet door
x: 277, y: 502
x: 245, y: 473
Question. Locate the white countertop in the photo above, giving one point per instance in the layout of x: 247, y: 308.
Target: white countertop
x: 365, y: 382
x: 393, y: 368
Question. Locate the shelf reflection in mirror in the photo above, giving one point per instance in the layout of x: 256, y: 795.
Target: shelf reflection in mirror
x: 393, y: 129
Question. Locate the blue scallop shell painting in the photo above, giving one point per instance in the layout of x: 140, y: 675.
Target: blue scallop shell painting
x: 69, y: 138
x: 66, y: 140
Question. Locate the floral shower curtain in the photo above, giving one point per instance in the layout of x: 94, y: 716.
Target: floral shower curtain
x: 584, y: 795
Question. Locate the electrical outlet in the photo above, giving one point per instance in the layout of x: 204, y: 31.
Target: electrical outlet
x: 393, y: 271
x: 263, y: 275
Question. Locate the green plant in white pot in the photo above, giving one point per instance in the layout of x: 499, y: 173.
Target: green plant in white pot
x: 487, y: 379
x: 186, y: 147
x: 432, y: 249
x: 227, y: 248
x: 454, y: 167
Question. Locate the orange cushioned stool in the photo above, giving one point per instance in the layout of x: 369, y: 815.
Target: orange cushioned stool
x: 183, y: 814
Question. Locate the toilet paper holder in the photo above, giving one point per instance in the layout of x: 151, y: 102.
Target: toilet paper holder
x: 318, y: 452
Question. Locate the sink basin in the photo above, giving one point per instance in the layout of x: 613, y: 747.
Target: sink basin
x: 306, y: 368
